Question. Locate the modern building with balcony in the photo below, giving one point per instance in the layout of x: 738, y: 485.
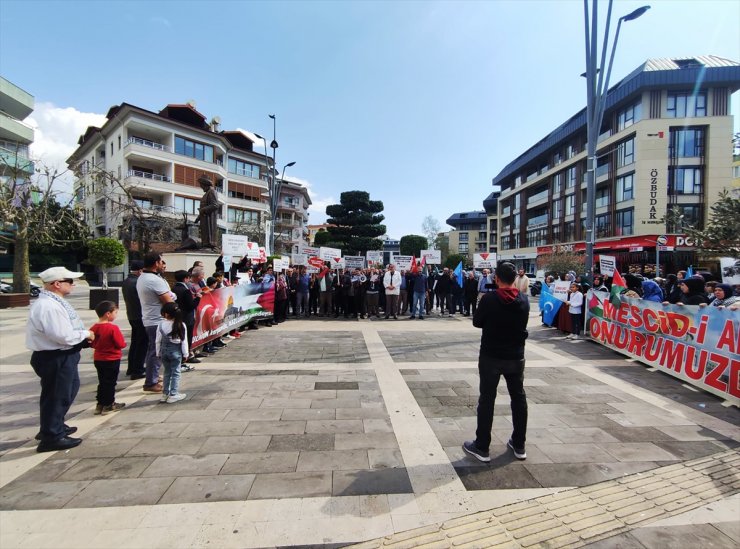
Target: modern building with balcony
x: 490, y: 204
x: 137, y: 175
x: 665, y: 142
x: 470, y: 235
x: 291, y: 223
x: 15, y: 135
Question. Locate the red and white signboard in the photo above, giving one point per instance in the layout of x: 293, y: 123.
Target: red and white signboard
x: 253, y: 250
x: 309, y: 251
x: 316, y: 262
x: 327, y: 254
x: 484, y: 261
x: 432, y: 257
x: 337, y: 262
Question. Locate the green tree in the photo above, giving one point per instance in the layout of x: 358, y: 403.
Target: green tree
x: 721, y: 236
x: 105, y: 253
x: 442, y: 243
x: 355, y: 223
x: 321, y: 238
x: 412, y: 244
x: 560, y: 262
x: 453, y: 260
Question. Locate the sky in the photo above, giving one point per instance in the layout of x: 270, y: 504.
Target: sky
x: 419, y: 103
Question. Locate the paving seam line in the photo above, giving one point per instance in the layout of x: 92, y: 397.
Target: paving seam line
x: 580, y: 516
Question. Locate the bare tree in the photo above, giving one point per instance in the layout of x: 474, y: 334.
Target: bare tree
x: 431, y: 227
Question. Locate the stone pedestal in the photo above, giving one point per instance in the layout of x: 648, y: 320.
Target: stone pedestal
x: 184, y: 260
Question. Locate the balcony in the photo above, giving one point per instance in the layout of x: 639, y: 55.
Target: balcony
x: 9, y: 161
x: 149, y: 144
x: 539, y: 198
x: 147, y: 175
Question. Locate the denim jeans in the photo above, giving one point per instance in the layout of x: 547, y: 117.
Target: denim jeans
x: 152, y: 362
x: 490, y: 371
x: 171, y: 359
x: 417, y: 303
x: 301, y: 303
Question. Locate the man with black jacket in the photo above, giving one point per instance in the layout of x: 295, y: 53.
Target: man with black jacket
x: 443, y: 290
x: 188, y: 304
x: 136, y: 368
x: 503, y: 316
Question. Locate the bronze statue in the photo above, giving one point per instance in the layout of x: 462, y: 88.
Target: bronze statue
x: 208, y: 213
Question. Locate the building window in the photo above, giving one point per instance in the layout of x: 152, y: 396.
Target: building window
x: 556, y: 234
x: 193, y: 149
x: 557, y: 209
x: 464, y: 227
x: 571, y: 151
x: 626, y: 153
x: 481, y: 235
x: 624, y: 223
x: 686, y: 104
x: 690, y: 215
x: 569, y: 232
x: 684, y: 181
x: 538, y: 217
x: 237, y: 215
x: 240, y: 167
x: 629, y: 116
x: 570, y: 178
x: 463, y: 248
x: 143, y: 203
x: 537, y: 237
x: 517, y: 201
x: 602, y: 197
x: 119, y: 142
x: 186, y: 205
x: 687, y: 143
x: 557, y: 183
x: 463, y: 237
x: 111, y: 148
x: 603, y: 225
x: 570, y: 204
x: 625, y: 187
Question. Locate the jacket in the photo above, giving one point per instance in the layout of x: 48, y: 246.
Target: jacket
x: 504, y: 324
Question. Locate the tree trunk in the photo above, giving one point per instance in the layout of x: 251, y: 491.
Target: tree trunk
x: 21, y: 263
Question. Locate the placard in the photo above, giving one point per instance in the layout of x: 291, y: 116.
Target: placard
x: 560, y: 289
x: 402, y: 262
x: 234, y: 244
x: 263, y: 254
x: 327, y: 254
x: 280, y: 264
x: 354, y: 261
x: 484, y: 261
x: 308, y: 251
x: 253, y: 251
x: 316, y: 262
x: 374, y: 256
x: 299, y: 259
x: 607, y: 264
x: 432, y: 257
x: 337, y: 262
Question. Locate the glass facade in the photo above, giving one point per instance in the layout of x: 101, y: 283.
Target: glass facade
x: 193, y: 149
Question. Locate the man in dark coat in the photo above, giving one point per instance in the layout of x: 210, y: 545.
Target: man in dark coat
x: 503, y: 316
x: 188, y: 304
x: 137, y: 349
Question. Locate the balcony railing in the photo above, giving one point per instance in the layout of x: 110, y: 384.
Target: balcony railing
x: 147, y: 143
x: 147, y: 175
x: 602, y: 170
x: 537, y: 197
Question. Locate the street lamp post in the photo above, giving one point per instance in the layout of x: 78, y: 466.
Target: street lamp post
x: 595, y: 104
x: 275, y: 202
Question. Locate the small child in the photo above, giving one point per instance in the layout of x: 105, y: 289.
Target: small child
x: 172, y: 346
x: 108, y: 344
x: 575, y: 308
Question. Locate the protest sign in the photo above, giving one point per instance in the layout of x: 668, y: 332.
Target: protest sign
x: 484, y: 261
x: 698, y: 345
x: 227, y: 266
x: 432, y: 257
x: 374, y: 257
x: 263, y: 254
x: 308, y: 251
x: 402, y: 262
x: 337, y: 262
x: 607, y: 264
x: 234, y: 244
x: 354, y: 261
x: 253, y: 251
x: 299, y: 259
x: 316, y: 262
x: 327, y: 254
x: 560, y: 289
x: 225, y: 309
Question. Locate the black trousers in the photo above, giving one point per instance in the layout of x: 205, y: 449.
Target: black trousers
x: 107, y: 379
x: 137, y: 350
x: 60, y: 382
x: 490, y: 371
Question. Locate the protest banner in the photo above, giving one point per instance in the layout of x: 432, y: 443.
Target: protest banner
x: 253, y: 251
x: 374, y: 257
x: 560, y: 289
x: 402, y: 262
x: 432, y: 257
x: 225, y: 309
x: 484, y: 261
x: 698, y: 345
x: 308, y: 251
x: 607, y: 264
x: 316, y: 262
x: 299, y: 259
x: 337, y: 263
x: 234, y: 245
x: 354, y: 261
x: 327, y: 254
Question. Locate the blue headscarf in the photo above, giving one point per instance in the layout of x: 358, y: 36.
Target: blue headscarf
x: 651, y: 291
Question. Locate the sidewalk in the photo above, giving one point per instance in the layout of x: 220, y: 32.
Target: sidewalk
x: 328, y: 433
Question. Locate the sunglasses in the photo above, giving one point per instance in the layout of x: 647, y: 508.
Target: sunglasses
x: 68, y: 280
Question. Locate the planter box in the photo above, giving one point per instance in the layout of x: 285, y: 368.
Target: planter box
x: 14, y: 300
x: 98, y: 294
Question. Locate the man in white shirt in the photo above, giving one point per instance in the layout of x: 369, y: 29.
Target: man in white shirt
x: 55, y: 333
x: 392, y: 284
x: 521, y: 282
x: 153, y: 292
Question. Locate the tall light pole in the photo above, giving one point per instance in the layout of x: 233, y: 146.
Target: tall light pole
x: 275, y: 198
x: 595, y: 103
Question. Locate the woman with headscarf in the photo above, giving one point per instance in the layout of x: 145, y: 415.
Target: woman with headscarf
x: 672, y: 291
x: 634, y: 285
x: 651, y: 291
x: 692, y: 290
x: 723, y: 296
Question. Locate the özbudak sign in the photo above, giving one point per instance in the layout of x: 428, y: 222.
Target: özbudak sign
x: 229, y: 307
x: 698, y: 345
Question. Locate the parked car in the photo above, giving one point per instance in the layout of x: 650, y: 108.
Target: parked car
x: 7, y: 288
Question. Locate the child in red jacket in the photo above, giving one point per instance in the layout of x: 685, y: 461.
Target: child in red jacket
x: 107, y: 356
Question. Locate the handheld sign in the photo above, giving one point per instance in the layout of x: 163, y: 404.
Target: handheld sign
x: 403, y: 262
x: 327, y: 254
x: 234, y: 244
x: 432, y: 257
x: 484, y: 261
x: 560, y: 289
x: 299, y: 259
x: 308, y: 250
x: 607, y: 264
x: 337, y: 262
x: 354, y: 261
x: 374, y: 256
x: 253, y: 251
x: 316, y: 262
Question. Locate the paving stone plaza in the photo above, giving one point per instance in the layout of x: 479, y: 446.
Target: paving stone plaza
x: 332, y: 432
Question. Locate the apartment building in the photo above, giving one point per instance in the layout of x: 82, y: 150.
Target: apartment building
x: 291, y: 223
x: 665, y: 142
x: 470, y: 235
x: 15, y: 135
x: 137, y: 176
x: 490, y: 204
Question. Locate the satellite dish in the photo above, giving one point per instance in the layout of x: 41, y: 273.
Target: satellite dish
x: 217, y: 119
x: 191, y: 103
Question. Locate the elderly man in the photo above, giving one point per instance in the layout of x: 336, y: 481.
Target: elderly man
x: 55, y: 333
x: 392, y: 285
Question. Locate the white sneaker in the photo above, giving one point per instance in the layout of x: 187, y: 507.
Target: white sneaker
x: 164, y: 398
x: 177, y: 397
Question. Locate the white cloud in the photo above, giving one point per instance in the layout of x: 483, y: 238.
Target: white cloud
x: 56, y: 131
x: 317, y: 209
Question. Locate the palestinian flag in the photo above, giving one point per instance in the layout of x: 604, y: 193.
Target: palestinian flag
x: 618, y: 286
x: 594, y: 306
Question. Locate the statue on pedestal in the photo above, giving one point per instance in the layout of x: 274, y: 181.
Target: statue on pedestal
x: 208, y: 213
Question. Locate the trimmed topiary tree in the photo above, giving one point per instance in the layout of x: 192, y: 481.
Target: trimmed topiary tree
x: 105, y: 253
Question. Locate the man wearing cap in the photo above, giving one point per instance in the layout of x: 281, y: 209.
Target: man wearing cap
x: 55, y: 333
x: 137, y: 351
x: 153, y: 292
